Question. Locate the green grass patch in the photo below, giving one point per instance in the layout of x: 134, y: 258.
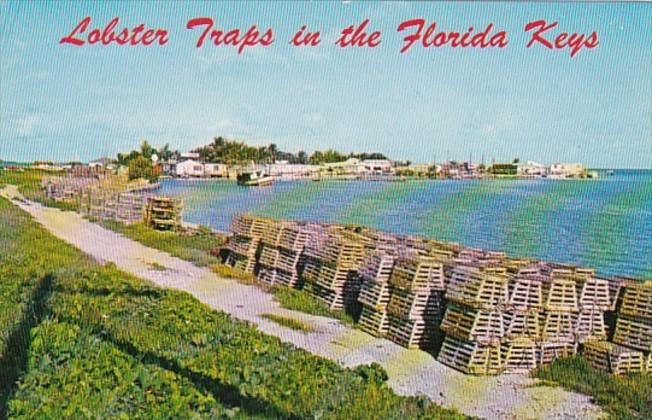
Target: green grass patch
x: 193, y: 246
x: 628, y: 397
x: 196, y: 248
x: 227, y: 271
x: 303, y: 301
x: 29, y: 183
x: 157, y: 267
x: 288, y: 322
x: 92, y: 341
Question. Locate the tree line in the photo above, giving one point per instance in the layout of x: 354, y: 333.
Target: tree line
x: 232, y: 152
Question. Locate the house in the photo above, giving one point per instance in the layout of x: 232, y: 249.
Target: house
x: 350, y: 166
x: 531, y: 168
x: 568, y: 170
x: 190, y: 168
x: 102, y: 163
x: 376, y: 166
x: 215, y: 170
x: 284, y: 170
x: 168, y: 167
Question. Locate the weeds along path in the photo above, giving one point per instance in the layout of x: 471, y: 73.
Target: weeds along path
x: 411, y: 372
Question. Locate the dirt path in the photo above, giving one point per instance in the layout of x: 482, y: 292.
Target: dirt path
x: 411, y: 372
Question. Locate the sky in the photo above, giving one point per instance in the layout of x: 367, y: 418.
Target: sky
x: 60, y: 102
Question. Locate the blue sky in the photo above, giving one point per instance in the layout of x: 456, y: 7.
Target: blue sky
x: 61, y: 102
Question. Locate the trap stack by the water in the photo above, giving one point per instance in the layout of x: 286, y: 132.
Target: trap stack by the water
x: 473, y: 322
x: 241, y: 249
x: 416, y: 304
x: 631, y: 350
x: 163, y: 213
x: 375, y: 292
x: 332, y: 259
x: 281, y: 251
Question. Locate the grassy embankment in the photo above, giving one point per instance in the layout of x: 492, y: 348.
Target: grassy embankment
x: 627, y: 397
x: 29, y: 185
x: 196, y: 247
x: 79, y: 339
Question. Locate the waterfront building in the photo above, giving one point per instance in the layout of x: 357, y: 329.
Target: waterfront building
x: 190, y: 168
x: 568, y: 170
x: 215, y: 170
x: 376, y: 167
x: 531, y: 168
x: 285, y: 170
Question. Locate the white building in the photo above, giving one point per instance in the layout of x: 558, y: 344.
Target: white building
x: 285, y: 170
x: 567, y: 170
x: 531, y: 168
x: 215, y: 170
x: 376, y: 166
x: 190, y: 168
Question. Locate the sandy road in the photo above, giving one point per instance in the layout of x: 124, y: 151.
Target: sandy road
x: 411, y: 372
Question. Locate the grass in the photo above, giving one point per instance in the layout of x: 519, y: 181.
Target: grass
x: 303, y: 301
x: 83, y: 340
x: 288, y: 322
x: 29, y: 181
x: 227, y: 271
x: 627, y: 397
x: 157, y: 267
x: 194, y: 247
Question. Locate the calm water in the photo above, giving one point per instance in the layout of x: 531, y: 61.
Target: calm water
x: 604, y: 224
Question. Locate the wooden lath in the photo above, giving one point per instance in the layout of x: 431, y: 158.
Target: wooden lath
x: 525, y: 324
x: 634, y: 332
x: 590, y: 325
x: 560, y: 292
x: 520, y: 355
x: 613, y: 358
x: 471, y: 357
x: 480, y: 287
x: 637, y: 300
x: 558, y: 326
x: 484, y: 326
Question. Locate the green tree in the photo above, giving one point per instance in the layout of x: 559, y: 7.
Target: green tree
x: 146, y: 150
x: 142, y: 167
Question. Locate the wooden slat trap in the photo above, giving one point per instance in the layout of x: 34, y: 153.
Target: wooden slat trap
x: 614, y: 358
x: 471, y: 357
x: 498, y: 314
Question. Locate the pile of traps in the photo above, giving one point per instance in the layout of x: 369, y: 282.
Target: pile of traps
x: 416, y: 303
x: 241, y: 250
x: 489, y: 313
x: 473, y: 322
x: 281, y: 253
x: 375, y: 292
x: 631, y: 349
x: 332, y: 259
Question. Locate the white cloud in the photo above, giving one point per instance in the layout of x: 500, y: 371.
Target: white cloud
x: 27, y: 125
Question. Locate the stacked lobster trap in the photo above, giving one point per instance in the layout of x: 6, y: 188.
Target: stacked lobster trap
x: 473, y: 322
x: 631, y: 349
x: 498, y: 314
x: 333, y: 257
x: 416, y: 302
x: 241, y: 250
x: 375, y: 292
x: 280, y: 257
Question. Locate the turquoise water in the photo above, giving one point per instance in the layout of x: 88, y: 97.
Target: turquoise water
x: 605, y: 224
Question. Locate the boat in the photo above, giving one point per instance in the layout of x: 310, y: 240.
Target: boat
x: 254, y: 178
